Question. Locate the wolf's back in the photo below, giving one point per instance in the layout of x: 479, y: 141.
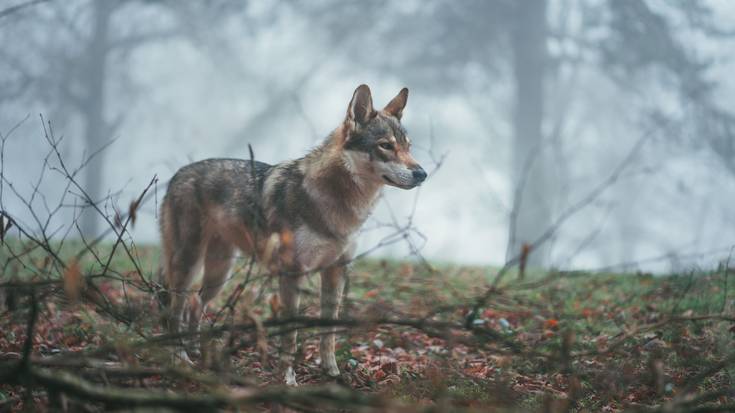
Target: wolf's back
x: 233, y: 185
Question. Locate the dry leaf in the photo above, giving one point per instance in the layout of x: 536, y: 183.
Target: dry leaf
x: 249, y: 297
x: 287, y: 239
x: 501, y: 361
x: 372, y: 293
x: 406, y: 270
x: 73, y: 280
x: 551, y: 324
x: 118, y: 220
x: 5, y: 224
x: 525, y: 251
x: 275, y: 303
x: 132, y: 212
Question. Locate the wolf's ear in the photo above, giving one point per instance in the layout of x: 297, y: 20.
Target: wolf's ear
x: 395, y: 107
x: 361, y: 106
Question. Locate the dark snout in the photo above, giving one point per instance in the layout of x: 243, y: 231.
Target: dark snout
x: 419, y: 175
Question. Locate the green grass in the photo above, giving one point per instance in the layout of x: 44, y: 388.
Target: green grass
x: 547, y: 315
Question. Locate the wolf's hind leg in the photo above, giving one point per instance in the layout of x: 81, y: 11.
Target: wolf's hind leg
x: 217, y: 262
x: 182, y: 270
x: 289, y: 291
x: 182, y: 274
x: 182, y: 242
x: 333, y: 284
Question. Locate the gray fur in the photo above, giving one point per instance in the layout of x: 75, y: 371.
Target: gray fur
x: 295, y: 217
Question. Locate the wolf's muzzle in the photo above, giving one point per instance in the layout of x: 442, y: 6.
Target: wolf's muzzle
x: 419, y: 175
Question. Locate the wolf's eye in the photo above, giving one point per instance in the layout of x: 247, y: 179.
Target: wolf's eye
x: 386, y: 145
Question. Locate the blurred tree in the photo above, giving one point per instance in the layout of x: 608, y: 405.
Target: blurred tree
x: 90, y: 99
x: 533, y: 195
x: 440, y: 43
x: 645, y: 47
x: 510, y: 59
x: 71, y: 69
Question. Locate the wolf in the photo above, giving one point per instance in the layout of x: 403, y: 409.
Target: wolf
x: 296, y: 217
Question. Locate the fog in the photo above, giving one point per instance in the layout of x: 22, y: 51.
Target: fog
x: 610, y: 122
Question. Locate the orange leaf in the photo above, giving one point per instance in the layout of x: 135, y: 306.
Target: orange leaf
x: 489, y: 313
x: 372, y: 293
x: 551, y: 323
x: 525, y: 250
x: 72, y: 280
x: 287, y: 239
x: 275, y: 303
x: 379, y: 375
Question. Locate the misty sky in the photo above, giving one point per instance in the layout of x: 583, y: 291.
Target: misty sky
x: 182, y: 100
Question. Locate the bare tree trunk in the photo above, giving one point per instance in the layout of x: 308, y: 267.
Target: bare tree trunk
x: 93, y: 109
x: 533, y: 200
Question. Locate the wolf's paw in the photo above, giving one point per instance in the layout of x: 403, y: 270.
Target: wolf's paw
x: 182, y: 358
x: 329, y: 366
x: 194, y: 352
x: 331, y: 370
x: 290, y: 377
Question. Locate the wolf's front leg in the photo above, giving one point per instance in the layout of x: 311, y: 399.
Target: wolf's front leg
x: 333, y: 284
x: 289, y: 290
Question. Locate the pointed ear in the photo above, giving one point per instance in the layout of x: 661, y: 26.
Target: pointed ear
x: 361, y: 106
x: 395, y: 107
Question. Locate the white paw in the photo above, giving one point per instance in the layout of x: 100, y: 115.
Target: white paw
x: 330, y: 367
x: 180, y: 357
x: 290, y: 377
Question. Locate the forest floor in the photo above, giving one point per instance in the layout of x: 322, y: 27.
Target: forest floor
x: 555, y: 341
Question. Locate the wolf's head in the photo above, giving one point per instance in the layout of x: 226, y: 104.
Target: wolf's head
x: 375, y: 145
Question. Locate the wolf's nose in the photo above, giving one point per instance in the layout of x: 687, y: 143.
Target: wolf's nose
x: 419, y: 175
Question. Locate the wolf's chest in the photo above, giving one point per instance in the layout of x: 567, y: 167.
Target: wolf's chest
x: 315, y: 251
